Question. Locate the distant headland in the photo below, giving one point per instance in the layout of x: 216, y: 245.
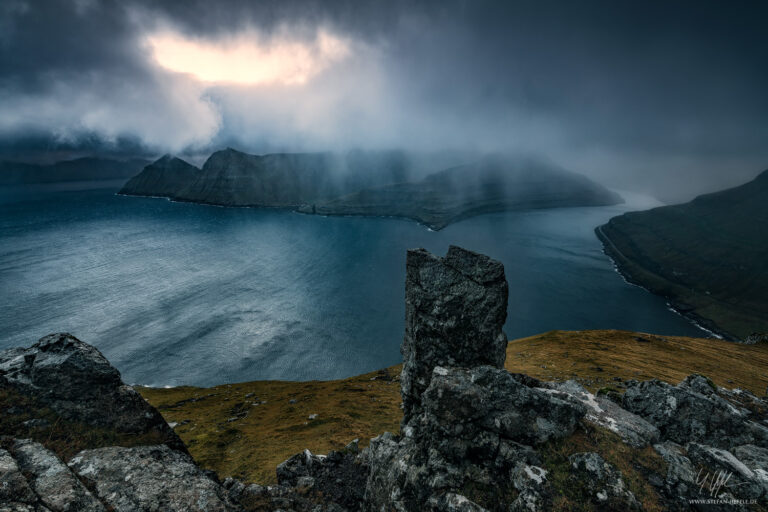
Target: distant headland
x: 369, y: 184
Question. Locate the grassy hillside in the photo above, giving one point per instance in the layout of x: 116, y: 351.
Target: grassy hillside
x: 246, y: 429
x: 708, y: 256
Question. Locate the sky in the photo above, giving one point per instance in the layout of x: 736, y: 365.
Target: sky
x: 665, y: 97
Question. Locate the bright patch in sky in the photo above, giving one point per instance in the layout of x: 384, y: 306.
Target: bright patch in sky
x: 247, y: 58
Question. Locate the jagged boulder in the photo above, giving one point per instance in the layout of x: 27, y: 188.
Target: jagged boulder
x: 55, y: 485
x: 149, y: 478
x: 339, y: 476
x: 603, y: 412
x: 15, y: 492
x: 455, y: 308
x: 693, y: 411
x: 76, y: 381
x: 470, y: 404
x: 468, y: 423
x: 32, y: 478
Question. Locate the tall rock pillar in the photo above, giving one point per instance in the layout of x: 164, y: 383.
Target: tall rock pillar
x: 455, y: 308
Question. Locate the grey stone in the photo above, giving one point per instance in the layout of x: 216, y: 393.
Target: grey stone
x: 601, y: 411
x: 14, y: 488
x: 603, y: 482
x: 51, y: 480
x: 693, y: 411
x: 149, y: 478
x: 474, y: 428
x: 76, y: 381
x: 754, y: 457
x: 460, y: 403
x: 455, y: 308
x: 533, y: 487
x: 338, y: 477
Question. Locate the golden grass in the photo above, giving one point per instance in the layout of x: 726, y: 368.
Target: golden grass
x: 596, y: 357
x: 251, y: 447
x: 367, y: 405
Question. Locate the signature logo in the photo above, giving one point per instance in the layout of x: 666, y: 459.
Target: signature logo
x: 713, y: 482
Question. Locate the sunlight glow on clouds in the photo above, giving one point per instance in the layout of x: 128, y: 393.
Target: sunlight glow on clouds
x: 247, y: 58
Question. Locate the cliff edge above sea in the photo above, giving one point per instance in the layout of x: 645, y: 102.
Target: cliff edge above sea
x: 560, y: 421
x: 708, y: 257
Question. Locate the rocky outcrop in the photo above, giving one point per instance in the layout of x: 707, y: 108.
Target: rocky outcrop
x: 51, y: 480
x: 76, y: 381
x: 755, y: 338
x: 455, y: 308
x: 143, y: 478
x: 338, y: 477
x: 467, y: 423
x: 149, y: 478
x: 693, y: 411
x: 162, y: 178
x: 477, y: 438
x: 474, y: 428
x: 603, y: 412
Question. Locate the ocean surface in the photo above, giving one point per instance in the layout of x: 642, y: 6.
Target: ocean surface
x: 178, y: 293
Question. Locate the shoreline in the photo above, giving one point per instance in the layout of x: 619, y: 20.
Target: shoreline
x: 673, y: 303
x: 433, y: 227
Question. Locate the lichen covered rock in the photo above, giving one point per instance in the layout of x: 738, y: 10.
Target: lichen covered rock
x: 693, y: 411
x: 149, y: 478
x: 455, y: 309
x: 76, y: 381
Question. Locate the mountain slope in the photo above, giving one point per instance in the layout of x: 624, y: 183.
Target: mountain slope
x: 163, y: 177
x: 233, y: 178
x: 708, y: 256
x: 490, y: 185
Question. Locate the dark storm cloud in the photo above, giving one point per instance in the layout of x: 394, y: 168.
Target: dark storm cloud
x: 631, y: 92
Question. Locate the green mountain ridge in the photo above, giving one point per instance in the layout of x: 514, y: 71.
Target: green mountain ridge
x: 709, y: 256
x: 369, y: 184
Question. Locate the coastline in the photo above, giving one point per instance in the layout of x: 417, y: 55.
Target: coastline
x: 624, y: 266
x: 305, y: 209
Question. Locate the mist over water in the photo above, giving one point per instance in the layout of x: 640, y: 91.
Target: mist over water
x: 176, y: 293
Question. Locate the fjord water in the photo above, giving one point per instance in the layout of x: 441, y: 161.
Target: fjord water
x: 178, y: 293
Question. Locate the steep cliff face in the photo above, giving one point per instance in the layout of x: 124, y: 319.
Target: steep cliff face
x: 708, y: 256
x: 233, y: 178
x: 162, y: 178
x: 491, y: 185
x: 369, y: 183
